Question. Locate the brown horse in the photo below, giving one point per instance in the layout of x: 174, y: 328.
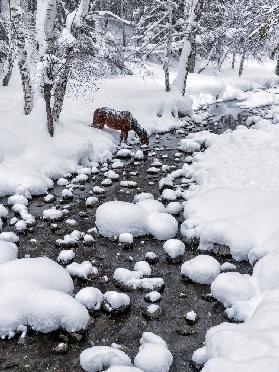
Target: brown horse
x: 119, y: 120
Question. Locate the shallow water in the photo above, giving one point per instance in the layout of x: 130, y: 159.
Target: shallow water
x: 35, y: 351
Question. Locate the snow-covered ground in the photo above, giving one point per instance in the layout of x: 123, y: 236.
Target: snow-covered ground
x: 30, y: 159
x: 235, y: 203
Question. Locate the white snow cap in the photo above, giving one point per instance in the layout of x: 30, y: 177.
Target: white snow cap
x: 126, y: 238
x: 162, y: 226
x: 117, y: 217
x: 202, y: 269
x: 35, y: 292
x: 174, y: 248
x: 90, y: 297
x: 153, y: 355
x: 97, y: 358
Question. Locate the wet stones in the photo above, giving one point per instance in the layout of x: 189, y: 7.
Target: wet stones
x: 152, y: 312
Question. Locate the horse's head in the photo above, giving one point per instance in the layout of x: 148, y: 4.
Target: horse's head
x: 144, y: 139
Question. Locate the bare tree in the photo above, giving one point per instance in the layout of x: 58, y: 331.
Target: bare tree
x: 192, y: 13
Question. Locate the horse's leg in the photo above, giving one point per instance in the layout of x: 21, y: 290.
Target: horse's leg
x: 126, y: 136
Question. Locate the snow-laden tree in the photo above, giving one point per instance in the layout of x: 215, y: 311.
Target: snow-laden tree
x: 18, y: 49
x: 192, y: 13
x: 157, y: 32
x: 56, y: 54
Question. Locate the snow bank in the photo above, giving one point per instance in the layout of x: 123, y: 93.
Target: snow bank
x: 29, y: 158
x: 36, y: 292
x: 238, y: 189
x: 235, y: 203
x: 144, y: 96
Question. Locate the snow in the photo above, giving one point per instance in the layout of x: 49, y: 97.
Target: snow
x: 143, y: 267
x: 126, y: 238
x: 30, y: 158
x: 169, y: 194
x: 162, y: 226
x: 97, y: 358
x: 143, y: 196
x: 52, y: 214
x: 90, y: 297
x: 29, y: 165
x: 17, y: 199
x: 201, y: 269
x: 124, y: 369
x: 66, y: 255
x: 174, y: 248
x: 91, y: 200
x: 115, y: 300
x: 153, y: 355
x: 37, y: 292
x: 81, y: 270
x: 8, y: 251
x: 153, y: 296
x: 191, y: 315
x: 134, y: 279
x: 235, y: 204
x: 117, y: 217
x: 152, y: 206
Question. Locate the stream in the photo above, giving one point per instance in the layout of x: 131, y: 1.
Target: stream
x: 39, y: 352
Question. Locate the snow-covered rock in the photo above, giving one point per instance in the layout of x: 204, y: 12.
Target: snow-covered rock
x: 117, y: 217
x: 52, y: 214
x: 201, y: 269
x: 153, y: 355
x: 66, y: 255
x: 174, y: 248
x: 82, y: 270
x: 114, y: 302
x: 99, y: 358
x: 90, y: 297
x: 126, y: 238
x: 162, y: 226
x: 143, y: 267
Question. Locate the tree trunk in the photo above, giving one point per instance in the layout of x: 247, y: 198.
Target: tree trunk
x: 192, y: 57
x: 47, y: 97
x: 188, y: 52
x: 16, y: 20
x: 277, y: 67
x: 241, y: 65
x: 61, y: 86
x: 9, y: 64
x: 233, y: 60
x: 167, y: 78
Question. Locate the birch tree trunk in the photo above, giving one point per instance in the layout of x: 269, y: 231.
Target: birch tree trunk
x: 9, y: 64
x: 16, y: 21
x: 168, y: 49
x: 73, y: 27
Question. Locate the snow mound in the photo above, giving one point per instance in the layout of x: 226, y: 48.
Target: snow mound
x: 8, y: 251
x: 97, y: 358
x: 202, y: 269
x: 162, y: 226
x: 153, y: 355
x: 117, y: 217
x: 90, y: 297
x: 36, y: 292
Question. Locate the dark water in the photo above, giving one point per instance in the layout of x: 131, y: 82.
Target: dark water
x: 36, y: 351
